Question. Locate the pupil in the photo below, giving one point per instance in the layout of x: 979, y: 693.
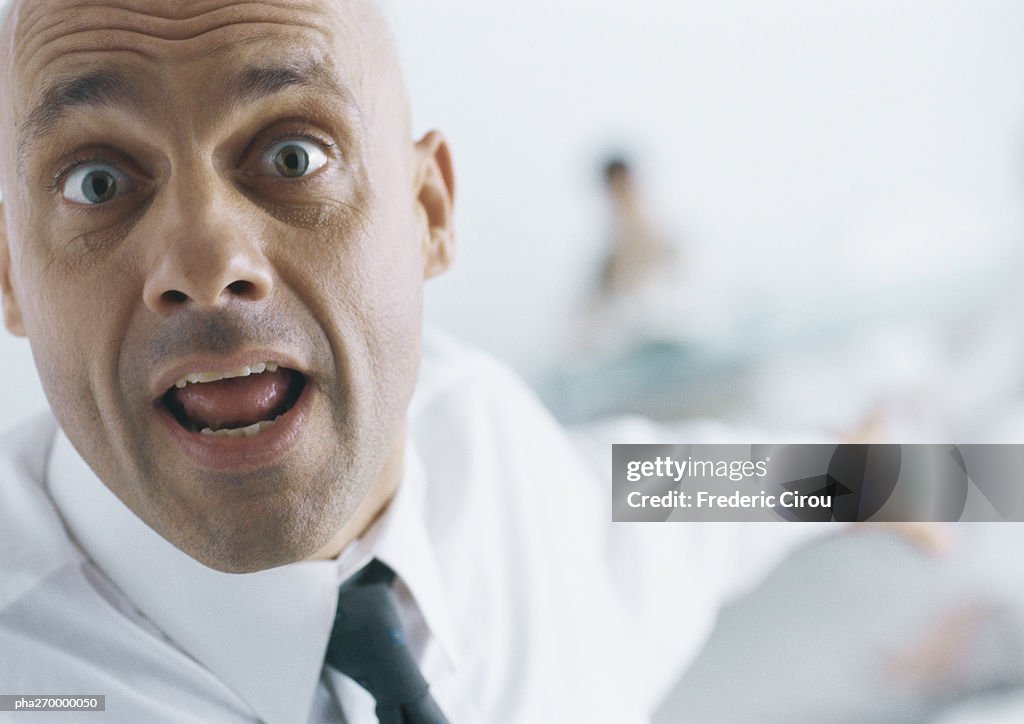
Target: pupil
x: 292, y: 161
x: 99, y: 187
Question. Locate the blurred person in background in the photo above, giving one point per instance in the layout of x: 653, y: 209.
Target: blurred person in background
x: 641, y: 292
x: 639, y: 254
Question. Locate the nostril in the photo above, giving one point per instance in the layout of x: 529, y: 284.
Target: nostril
x: 241, y: 288
x: 173, y: 296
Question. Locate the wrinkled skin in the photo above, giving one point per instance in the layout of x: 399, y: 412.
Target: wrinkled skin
x: 206, y: 249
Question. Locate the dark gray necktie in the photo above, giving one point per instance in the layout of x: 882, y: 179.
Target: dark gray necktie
x: 368, y: 645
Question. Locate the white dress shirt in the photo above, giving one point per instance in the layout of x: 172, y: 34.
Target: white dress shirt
x: 521, y: 600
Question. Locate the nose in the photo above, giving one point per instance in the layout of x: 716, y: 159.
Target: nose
x: 203, y: 252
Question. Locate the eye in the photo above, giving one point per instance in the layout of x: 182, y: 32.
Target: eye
x: 95, y: 183
x: 295, y: 158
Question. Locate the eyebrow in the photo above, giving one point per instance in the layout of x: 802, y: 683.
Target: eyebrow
x: 256, y: 83
x: 99, y: 88
x: 106, y: 88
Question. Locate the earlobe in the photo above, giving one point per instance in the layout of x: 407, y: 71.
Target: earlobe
x: 435, y: 193
x: 12, y: 312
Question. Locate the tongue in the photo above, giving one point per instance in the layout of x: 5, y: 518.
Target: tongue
x: 238, y: 402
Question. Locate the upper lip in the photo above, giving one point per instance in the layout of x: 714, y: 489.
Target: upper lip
x: 220, y: 363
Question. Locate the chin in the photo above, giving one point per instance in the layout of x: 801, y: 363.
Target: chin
x: 254, y: 539
x: 250, y: 556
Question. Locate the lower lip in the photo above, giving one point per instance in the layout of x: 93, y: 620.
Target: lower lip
x: 245, y: 453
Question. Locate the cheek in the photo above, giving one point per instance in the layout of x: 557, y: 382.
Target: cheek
x: 373, y: 287
x: 70, y: 286
x: 63, y: 352
x: 395, y: 277
x: 366, y: 261
x: 70, y: 312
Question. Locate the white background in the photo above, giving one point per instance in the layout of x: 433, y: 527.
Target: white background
x: 798, y: 148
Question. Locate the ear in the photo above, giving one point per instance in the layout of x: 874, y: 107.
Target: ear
x: 12, y: 312
x: 435, y: 194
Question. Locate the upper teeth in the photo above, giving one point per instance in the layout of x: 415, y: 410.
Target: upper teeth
x: 201, y: 377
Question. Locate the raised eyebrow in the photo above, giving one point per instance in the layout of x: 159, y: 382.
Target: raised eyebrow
x: 256, y: 83
x: 106, y: 88
x: 98, y: 88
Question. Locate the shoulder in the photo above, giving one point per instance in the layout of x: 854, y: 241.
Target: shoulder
x: 491, y: 450
x: 457, y: 377
x: 470, y: 405
x: 453, y: 369
x: 508, y: 499
x: 33, y: 541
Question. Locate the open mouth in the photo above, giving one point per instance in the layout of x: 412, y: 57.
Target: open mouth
x: 234, y: 404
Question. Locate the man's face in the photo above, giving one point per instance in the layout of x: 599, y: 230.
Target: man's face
x: 209, y: 189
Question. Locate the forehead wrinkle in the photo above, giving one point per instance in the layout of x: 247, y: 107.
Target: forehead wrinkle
x: 126, y: 38
x: 79, y: 12
x: 358, y: 21
x: 184, y: 17
x: 40, y: 24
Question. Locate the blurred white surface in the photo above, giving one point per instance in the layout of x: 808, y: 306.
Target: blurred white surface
x: 816, y: 642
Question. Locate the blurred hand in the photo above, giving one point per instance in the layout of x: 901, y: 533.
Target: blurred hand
x: 933, y: 539
x: 971, y: 647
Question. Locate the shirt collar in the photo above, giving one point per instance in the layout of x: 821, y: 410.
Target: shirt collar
x: 399, y: 538
x: 263, y: 634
